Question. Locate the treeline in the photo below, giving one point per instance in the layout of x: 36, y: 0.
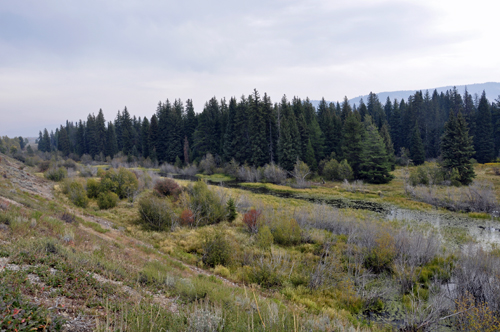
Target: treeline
x: 256, y: 131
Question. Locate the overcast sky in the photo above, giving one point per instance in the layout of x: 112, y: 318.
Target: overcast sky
x: 64, y: 59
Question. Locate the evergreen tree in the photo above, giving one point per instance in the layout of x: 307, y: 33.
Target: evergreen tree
x: 389, y: 147
x: 417, y: 152
x: 145, y: 137
x: 100, y: 132
x: 374, y: 166
x: 242, y: 134
x: 287, y: 146
x: 175, y: 135
x: 190, y: 121
x: 315, y: 133
x: 63, y: 142
x: 258, y: 139
x: 271, y: 129
x: 483, y: 141
x: 230, y: 144
x: 111, y: 142
x: 153, y: 137
x: 46, y: 145
x: 353, y: 137
x: 457, y: 148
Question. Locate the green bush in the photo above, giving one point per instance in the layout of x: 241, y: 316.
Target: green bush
x: 231, y: 210
x: 56, y: 174
x: 127, y: 182
x: 331, y: 170
x: 93, y: 188
x: 286, y: 232
x: 208, y: 205
x: 156, y: 213
x: 216, y: 250
x: 428, y: 174
x: 265, y: 237
x: 107, y: 200
x: 77, y: 194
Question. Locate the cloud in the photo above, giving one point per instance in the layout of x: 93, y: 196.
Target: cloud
x: 67, y: 59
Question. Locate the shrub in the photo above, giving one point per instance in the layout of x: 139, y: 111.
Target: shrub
x: 101, y: 172
x: 251, y: 220
x: 69, y: 163
x: 274, y: 174
x: 381, y: 256
x: 156, y: 213
x: 206, y: 205
x: 345, y: 171
x: 127, y: 183
x: 331, y: 170
x: 77, y: 194
x: 207, y: 164
x: 107, y: 200
x: 93, y: 188
x: 167, y: 187
x: 107, y: 184
x: 286, y: 232
x: 57, y: 175
x: 187, y: 218
x: 265, y: 237
x: 44, y: 165
x: 216, y: 250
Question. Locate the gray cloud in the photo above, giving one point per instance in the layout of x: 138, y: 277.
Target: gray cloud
x: 66, y: 59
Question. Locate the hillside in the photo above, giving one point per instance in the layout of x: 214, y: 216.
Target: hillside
x: 492, y: 92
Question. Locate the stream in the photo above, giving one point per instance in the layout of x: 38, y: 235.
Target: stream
x: 485, y: 231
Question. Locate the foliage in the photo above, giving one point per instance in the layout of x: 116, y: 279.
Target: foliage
x: 264, y: 237
x: 231, y: 210
x: 125, y: 182
x: 251, y: 220
x: 457, y: 149
x: 286, y: 232
x: 187, y: 218
x: 77, y: 194
x: 156, y: 213
x: 167, y: 187
x: 206, y: 205
x: 93, y: 188
x: 56, y: 174
x: 107, y: 200
x: 216, y: 249
x: 17, y: 314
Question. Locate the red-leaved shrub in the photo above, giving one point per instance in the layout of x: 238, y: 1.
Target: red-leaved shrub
x: 251, y: 219
x: 187, y: 218
x: 167, y: 187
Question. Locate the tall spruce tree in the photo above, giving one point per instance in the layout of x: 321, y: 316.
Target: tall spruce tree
x: 258, y: 139
x: 417, y: 152
x: 374, y: 166
x: 457, y: 148
x: 353, y: 137
x: 483, y: 141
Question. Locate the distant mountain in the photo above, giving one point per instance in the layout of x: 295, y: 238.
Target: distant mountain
x: 492, y: 92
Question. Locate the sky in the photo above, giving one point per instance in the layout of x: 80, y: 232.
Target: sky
x: 61, y: 60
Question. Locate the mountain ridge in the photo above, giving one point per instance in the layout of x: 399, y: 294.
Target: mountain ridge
x: 492, y: 90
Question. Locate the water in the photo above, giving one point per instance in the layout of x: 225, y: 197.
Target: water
x: 484, y: 231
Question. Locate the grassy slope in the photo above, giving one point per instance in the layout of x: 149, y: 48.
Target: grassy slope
x: 102, y: 271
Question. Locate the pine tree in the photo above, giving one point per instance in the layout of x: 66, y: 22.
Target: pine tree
x: 153, y: 137
x: 258, y: 141
x: 100, y: 132
x: 389, y: 147
x: 374, y: 166
x: 111, y: 142
x: 63, y: 142
x: 417, y: 152
x: 353, y: 137
x: 457, y: 148
x: 145, y: 137
x: 483, y: 141
x: 230, y: 144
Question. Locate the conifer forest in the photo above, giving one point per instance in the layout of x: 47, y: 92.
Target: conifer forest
x: 256, y: 131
